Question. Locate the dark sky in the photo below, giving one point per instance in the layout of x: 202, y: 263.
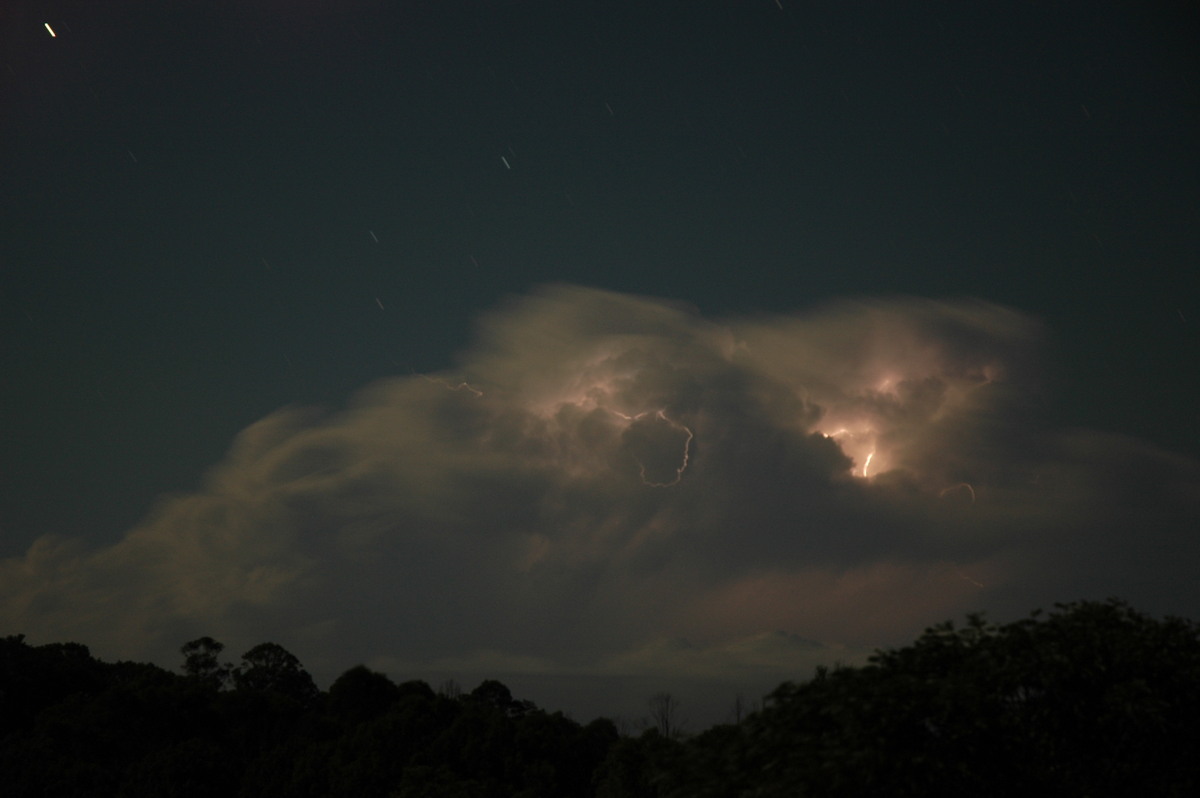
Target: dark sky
x: 210, y: 211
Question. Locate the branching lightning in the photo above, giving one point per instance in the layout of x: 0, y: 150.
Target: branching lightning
x: 600, y: 388
x: 598, y: 398
x: 687, y: 447
x: 859, y: 446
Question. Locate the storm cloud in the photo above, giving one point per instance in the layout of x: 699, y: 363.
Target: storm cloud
x: 612, y: 492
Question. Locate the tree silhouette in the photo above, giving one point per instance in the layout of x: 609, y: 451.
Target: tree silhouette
x: 664, y: 713
x: 271, y: 667
x: 200, y: 662
x: 496, y: 694
x: 1093, y: 699
x: 360, y: 694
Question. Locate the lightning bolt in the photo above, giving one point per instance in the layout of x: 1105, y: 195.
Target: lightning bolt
x: 603, y: 393
x: 960, y: 486
x: 683, y: 464
x: 687, y: 446
x: 853, y: 444
x: 964, y: 577
x: 462, y: 386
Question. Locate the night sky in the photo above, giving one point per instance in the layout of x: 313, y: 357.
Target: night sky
x: 549, y: 341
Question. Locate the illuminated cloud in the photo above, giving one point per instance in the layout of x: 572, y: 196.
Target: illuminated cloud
x: 604, y: 476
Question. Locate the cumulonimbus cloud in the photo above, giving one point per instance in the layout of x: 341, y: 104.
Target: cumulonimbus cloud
x: 603, y: 472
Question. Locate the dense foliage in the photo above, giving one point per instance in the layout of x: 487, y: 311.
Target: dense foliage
x: 1094, y: 699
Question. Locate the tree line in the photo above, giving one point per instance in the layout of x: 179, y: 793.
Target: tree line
x: 1092, y: 698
